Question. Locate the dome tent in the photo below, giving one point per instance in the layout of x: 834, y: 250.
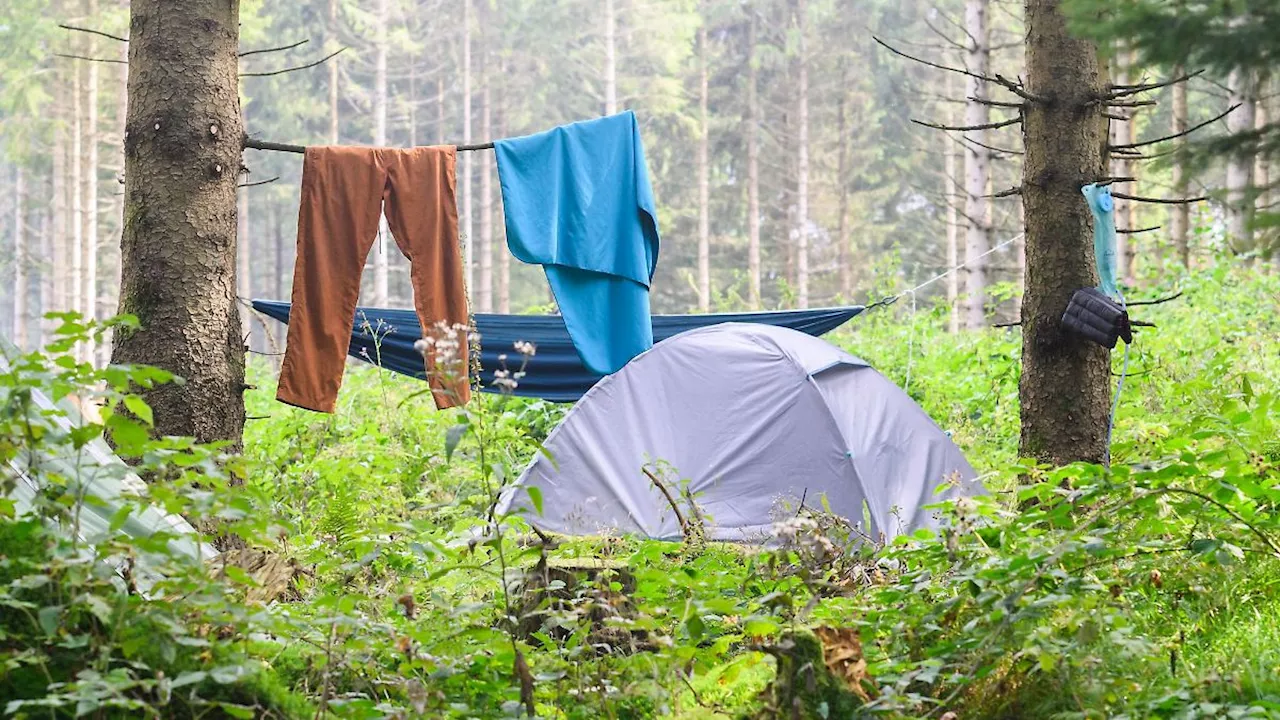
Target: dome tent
x: 754, y: 419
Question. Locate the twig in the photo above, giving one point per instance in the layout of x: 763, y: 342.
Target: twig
x: 282, y: 48
x: 684, y: 524
x: 93, y: 32
x: 1007, y: 325
x: 1157, y: 301
x: 997, y: 103
x: 1133, y: 103
x: 968, y: 128
x: 1188, y: 131
x: 992, y: 148
x: 91, y: 59
x: 260, y: 182
x: 1016, y: 190
x: 1135, y: 231
x: 321, y: 61
x: 1118, y: 91
x: 1160, y: 201
x: 1003, y: 82
x: 1117, y: 116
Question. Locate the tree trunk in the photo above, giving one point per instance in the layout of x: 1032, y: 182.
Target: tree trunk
x: 1262, y: 170
x: 383, y: 247
x: 753, y: 163
x: 467, y: 164
x: 486, y: 187
x: 1063, y: 392
x: 504, y: 254
x: 951, y: 196
x: 111, y: 250
x: 704, y: 200
x: 610, y: 59
x: 60, y: 298
x: 842, y: 184
x: 977, y: 164
x: 19, y: 262
x: 182, y: 148
x: 802, y: 159
x: 76, y: 191
x: 90, y: 289
x: 1122, y: 134
x: 332, y: 30
x: 44, y: 277
x: 244, y: 255
x: 1180, y: 213
x: 440, y: 109
x: 413, y: 100
x: 1240, y: 164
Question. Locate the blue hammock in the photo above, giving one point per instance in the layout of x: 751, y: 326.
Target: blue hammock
x: 555, y: 372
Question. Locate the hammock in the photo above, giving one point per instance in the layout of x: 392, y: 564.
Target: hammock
x: 555, y: 372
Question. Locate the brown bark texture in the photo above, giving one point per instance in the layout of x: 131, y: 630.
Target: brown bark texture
x: 1064, y: 389
x: 182, y: 161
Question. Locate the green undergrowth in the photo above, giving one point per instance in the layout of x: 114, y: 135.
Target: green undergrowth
x: 1150, y: 591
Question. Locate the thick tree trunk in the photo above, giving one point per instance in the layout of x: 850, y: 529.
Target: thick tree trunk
x: 610, y: 58
x: 486, y: 188
x: 977, y: 165
x: 802, y: 159
x: 467, y: 161
x: 1180, y: 213
x: 178, y: 251
x: 753, y: 162
x: 19, y: 262
x: 1063, y: 391
x: 383, y: 248
x: 332, y: 31
x: 704, y: 200
x: 1240, y: 165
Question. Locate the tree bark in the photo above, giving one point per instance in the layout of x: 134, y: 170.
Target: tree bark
x: 504, y: 254
x: 19, y: 262
x: 382, y: 249
x: 704, y: 200
x: 1180, y: 213
x: 467, y: 164
x: 1240, y: 164
x: 802, y: 159
x: 60, y: 299
x: 486, y: 187
x: 610, y: 59
x: 244, y: 255
x: 753, y: 161
x: 1063, y: 391
x: 90, y: 289
x: 1262, y: 170
x: 332, y: 30
x: 182, y: 157
x: 76, y: 190
x: 977, y: 164
x: 951, y: 196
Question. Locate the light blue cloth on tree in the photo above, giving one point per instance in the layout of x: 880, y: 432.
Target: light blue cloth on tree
x: 578, y: 202
x: 1104, y: 236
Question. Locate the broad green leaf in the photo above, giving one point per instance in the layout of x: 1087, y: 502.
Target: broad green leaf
x: 535, y: 496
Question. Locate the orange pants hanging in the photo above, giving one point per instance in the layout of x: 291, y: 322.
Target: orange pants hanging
x: 344, y: 189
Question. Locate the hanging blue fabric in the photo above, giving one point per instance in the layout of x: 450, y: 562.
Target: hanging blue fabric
x: 577, y: 201
x: 555, y: 372
x: 1103, y: 208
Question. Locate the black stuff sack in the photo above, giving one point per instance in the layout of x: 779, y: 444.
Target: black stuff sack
x: 1096, y: 317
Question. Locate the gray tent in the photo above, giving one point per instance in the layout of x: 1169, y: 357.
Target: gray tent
x: 751, y: 419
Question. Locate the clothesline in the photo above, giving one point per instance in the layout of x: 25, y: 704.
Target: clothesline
x: 284, y: 147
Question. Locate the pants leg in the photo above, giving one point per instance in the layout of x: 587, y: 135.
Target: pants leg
x: 342, y: 190
x: 422, y: 212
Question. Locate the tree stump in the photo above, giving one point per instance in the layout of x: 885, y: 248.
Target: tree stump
x: 556, y: 596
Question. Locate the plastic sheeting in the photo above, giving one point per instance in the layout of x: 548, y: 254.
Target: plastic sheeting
x: 751, y: 419
x: 385, y: 337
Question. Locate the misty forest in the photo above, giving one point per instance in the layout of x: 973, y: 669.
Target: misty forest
x: 630, y: 359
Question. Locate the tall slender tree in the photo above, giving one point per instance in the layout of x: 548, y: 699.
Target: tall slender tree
x: 752, y: 130
x: 704, y: 201
x: 381, y: 43
x: 467, y: 160
x: 91, y: 160
x: 977, y: 161
x: 1179, y: 213
x: 485, y: 248
x: 610, y: 58
x: 802, y: 155
x: 19, y: 260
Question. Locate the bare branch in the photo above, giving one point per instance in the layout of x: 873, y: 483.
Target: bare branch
x: 321, y: 61
x: 1188, y: 131
x: 90, y: 59
x: 1003, y: 82
x: 675, y: 507
x: 1132, y: 103
x: 1159, y: 201
x: 260, y: 182
x: 1119, y: 91
x: 992, y: 148
x: 997, y: 103
x: 968, y: 128
x: 1017, y: 190
x: 1158, y: 301
x: 282, y: 48
x: 93, y: 32
x: 1115, y: 116
x: 1135, y: 231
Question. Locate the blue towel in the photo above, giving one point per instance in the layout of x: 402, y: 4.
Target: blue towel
x: 578, y: 202
x: 1104, y: 236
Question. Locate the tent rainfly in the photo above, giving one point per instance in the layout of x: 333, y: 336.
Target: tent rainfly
x: 752, y: 420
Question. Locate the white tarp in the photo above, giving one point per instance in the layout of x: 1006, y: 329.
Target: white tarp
x: 751, y: 419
